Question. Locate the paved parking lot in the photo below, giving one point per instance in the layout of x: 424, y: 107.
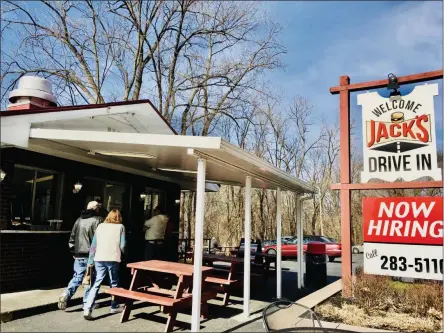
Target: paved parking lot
x: 149, y: 319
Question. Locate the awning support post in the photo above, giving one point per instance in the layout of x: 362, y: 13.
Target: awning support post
x: 300, y: 245
x: 198, y: 245
x: 247, y: 247
x: 278, y: 244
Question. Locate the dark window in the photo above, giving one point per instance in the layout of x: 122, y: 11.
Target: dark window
x: 153, y: 199
x: 308, y: 239
x: 324, y: 239
x: 35, y: 199
x: 111, y: 194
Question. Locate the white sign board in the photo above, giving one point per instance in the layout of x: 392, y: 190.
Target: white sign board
x: 399, y: 138
x: 403, y: 236
x: 413, y: 261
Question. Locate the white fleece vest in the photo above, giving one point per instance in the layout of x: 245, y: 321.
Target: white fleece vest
x: 108, y: 242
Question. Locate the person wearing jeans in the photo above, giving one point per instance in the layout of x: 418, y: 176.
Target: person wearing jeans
x: 102, y: 269
x: 80, y: 266
x: 107, y: 248
x: 79, y: 244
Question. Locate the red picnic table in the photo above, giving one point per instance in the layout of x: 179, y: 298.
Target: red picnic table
x: 152, y: 283
x: 233, y: 280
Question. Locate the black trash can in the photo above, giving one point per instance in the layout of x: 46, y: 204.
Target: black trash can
x: 316, y: 265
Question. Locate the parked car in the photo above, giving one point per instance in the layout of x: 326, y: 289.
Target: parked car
x: 284, y: 240
x: 358, y: 248
x: 290, y: 250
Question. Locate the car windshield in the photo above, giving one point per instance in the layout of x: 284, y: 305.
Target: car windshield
x: 325, y: 239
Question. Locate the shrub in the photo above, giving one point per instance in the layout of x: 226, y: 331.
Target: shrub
x: 386, y: 303
x: 376, y: 293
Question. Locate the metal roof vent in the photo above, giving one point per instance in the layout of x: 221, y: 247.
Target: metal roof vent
x: 32, y: 92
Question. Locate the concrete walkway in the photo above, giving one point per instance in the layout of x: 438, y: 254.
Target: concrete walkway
x: 20, y: 304
x: 36, y: 310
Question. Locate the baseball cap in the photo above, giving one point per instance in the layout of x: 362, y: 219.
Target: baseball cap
x: 92, y: 205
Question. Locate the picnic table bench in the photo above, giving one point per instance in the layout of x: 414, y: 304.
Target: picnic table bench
x: 225, y: 284
x: 144, y: 288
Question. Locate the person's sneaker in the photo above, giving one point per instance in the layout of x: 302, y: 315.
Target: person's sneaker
x: 87, y: 315
x: 63, y: 302
x: 116, y: 310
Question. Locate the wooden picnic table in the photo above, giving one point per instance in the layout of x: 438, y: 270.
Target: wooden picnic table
x: 267, y: 259
x: 226, y: 285
x: 148, y: 285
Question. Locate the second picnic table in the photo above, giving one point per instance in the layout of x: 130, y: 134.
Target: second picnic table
x: 226, y: 284
x: 148, y: 285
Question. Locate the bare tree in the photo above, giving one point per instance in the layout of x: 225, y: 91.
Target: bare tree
x: 202, y: 63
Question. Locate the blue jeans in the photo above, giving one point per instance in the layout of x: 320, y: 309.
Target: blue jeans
x: 80, y: 265
x: 103, y: 267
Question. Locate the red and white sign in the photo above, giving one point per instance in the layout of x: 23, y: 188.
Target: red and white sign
x: 399, y: 137
x: 403, y: 236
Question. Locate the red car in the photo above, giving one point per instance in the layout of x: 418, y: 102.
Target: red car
x: 290, y: 249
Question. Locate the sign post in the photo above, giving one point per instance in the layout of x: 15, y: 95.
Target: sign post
x: 345, y: 186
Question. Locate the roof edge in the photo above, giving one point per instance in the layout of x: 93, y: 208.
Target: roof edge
x: 227, y: 146
x: 6, y: 113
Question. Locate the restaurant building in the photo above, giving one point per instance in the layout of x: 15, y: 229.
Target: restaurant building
x: 55, y: 160
x: 43, y: 192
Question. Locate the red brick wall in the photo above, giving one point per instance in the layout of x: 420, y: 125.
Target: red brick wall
x: 34, y: 260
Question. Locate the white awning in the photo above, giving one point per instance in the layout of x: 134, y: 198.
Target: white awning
x: 165, y: 155
x: 134, y: 138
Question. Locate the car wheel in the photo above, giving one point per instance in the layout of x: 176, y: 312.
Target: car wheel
x: 272, y: 252
x: 331, y: 259
x: 356, y: 250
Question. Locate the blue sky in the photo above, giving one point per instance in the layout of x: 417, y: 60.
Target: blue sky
x: 365, y: 40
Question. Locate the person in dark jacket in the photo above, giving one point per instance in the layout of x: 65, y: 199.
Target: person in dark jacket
x: 79, y: 244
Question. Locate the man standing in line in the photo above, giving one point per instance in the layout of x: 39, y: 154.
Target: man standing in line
x: 155, y: 234
x: 79, y: 244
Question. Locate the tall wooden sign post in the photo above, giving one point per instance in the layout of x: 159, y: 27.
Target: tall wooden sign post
x: 345, y: 186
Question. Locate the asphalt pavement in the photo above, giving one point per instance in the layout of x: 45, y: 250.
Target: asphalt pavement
x: 149, y: 318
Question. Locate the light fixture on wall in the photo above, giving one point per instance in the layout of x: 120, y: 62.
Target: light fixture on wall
x: 142, y: 196
x: 77, y: 187
x: 2, y: 175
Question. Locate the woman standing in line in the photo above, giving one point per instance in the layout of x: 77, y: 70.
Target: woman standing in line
x: 107, y: 248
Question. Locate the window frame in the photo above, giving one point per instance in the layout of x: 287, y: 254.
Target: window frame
x: 117, y: 183
x: 59, y: 187
x: 150, y: 192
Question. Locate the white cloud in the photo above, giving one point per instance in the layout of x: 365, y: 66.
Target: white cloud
x: 404, y: 40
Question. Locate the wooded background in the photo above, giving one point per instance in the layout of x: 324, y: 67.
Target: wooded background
x: 204, y: 65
